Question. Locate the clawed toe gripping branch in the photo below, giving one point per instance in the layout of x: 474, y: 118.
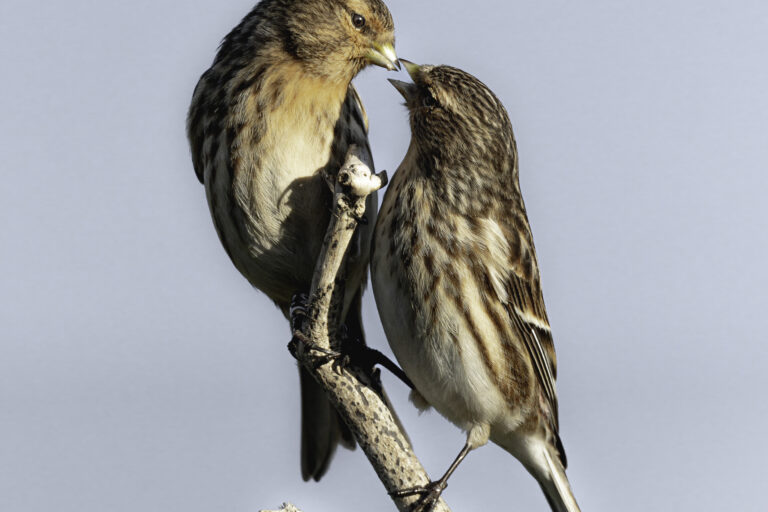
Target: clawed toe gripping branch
x: 430, y: 493
x: 314, y: 323
x: 301, y: 346
x: 352, y: 353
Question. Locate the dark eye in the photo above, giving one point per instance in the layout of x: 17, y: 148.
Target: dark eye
x: 358, y: 21
x: 429, y: 101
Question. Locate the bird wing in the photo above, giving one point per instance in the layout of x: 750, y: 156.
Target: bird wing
x: 359, y: 111
x: 356, y: 132
x: 196, y: 125
x: 518, y: 287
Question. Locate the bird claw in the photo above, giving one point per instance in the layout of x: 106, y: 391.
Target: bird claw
x: 301, y: 345
x: 297, y: 312
x: 353, y: 352
x: 430, y: 493
x: 366, y: 358
x: 337, y: 359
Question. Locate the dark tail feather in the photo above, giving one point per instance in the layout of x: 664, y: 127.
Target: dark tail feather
x: 355, y: 331
x: 321, y: 429
x: 354, y: 323
x: 555, y: 485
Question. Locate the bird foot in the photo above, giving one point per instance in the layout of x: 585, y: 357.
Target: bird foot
x: 303, y: 348
x: 365, y: 358
x: 429, y: 493
x: 300, y: 343
x: 353, y: 352
x: 320, y: 356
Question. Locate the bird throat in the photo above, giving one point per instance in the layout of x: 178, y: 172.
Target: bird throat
x: 293, y: 116
x: 293, y: 90
x: 302, y: 109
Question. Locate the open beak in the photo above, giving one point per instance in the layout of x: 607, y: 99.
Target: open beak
x: 407, y: 90
x: 412, y: 68
x: 383, y: 55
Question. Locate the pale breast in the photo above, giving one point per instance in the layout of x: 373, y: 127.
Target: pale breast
x: 278, y: 185
x: 280, y: 138
x: 425, y: 301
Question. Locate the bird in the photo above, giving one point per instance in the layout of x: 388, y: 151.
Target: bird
x: 457, y: 283
x: 269, y: 125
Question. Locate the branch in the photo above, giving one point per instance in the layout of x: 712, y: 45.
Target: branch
x: 287, y: 507
x: 358, y: 403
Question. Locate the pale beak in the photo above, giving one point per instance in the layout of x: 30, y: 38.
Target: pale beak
x: 383, y: 55
x: 407, y: 90
x: 412, y: 68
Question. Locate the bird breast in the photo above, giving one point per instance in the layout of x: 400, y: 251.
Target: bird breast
x: 283, y: 138
x: 431, y: 310
x: 274, y: 178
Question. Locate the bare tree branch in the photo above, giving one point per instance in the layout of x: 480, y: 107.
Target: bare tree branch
x: 287, y: 507
x: 361, y: 407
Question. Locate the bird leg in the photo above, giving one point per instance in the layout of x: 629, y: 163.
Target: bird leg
x: 297, y: 311
x: 366, y: 358
x: 297, y: 314
x: 352, y: 352
x: 431, y: 492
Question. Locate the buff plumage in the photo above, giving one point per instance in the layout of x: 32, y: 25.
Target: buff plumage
x: 269, y: 121
x: 456, y: 278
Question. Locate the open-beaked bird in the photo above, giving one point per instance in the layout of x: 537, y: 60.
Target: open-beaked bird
x: 456, y: 280
x: 270, y: 123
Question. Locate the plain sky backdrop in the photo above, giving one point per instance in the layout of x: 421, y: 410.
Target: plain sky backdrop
x: 140, y: 372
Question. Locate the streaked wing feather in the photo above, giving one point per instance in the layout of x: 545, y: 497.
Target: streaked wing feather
x: 534, y: 339
x: 359, y: 112
x: 526, y: 310
x: 195, y: 125
x: 358, y: 124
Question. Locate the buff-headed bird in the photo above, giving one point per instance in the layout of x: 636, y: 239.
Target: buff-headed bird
x: 456, y: 280
x: 269, y: 122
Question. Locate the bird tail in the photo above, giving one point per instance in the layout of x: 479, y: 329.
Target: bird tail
x: 321, y: 429
x: 555, y: 484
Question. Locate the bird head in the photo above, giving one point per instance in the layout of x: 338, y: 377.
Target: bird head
x: 338, y: 38
x: 453, y: 114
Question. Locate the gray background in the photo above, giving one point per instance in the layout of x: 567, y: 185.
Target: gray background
x: 140, y: 372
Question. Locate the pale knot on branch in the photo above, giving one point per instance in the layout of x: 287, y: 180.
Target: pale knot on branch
x: 356, y: 179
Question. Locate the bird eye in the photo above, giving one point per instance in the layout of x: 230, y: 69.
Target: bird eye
x: 358, y: 21
x: 429, y: 101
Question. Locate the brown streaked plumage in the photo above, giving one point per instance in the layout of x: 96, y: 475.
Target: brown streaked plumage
x: 457, y: 283
x: 272, y: 117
